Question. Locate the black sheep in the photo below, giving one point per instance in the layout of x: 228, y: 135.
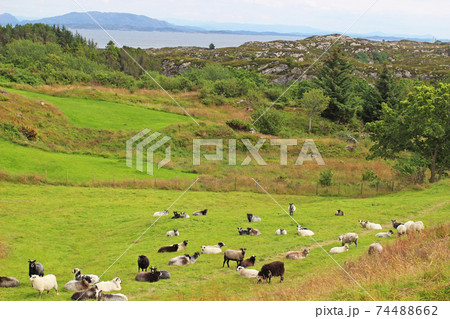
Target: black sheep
x: 395, y: 223
x: 85, y: 295
x: 168, y: 249
x: 152, y: 276
x: 143, y: 263
x: 273, y: 269
x: 249, y: 262
x: 35, y: 268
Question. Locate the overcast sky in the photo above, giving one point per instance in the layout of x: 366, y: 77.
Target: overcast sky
x: 417, y: 17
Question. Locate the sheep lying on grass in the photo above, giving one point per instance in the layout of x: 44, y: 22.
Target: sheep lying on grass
x: 110, y: 297
x: 200, y: 212
x: 180, y: 215
x: 384, y: 235
x: 89, y: 278
x: 244, y: 231
x: 76, y: 285
x: 85, y: 295
x: 168, y: 249
x: 113, y: 285
x: 182, y: 246
x: 152, y: 276
x: 375, y: 248
x: 273, y: 269
x: 164, y: 274
x: 214, y: 249
x: 248, y: 273
x: 254, y: 232
x: 8, y: 282
x: 369, y: 225
x: 339, y: 213
x: 303, y: 231
x: 44, y: 283
x: 172, y: 233
x: 338, y: 250
x: 163, y: 213
x: 184, y: 260
x: 281, y: 231
x: 348, y: 238
x: 253, y: 219
x: 236, y: 255
x: 297, y: 254
x: 248, y: 262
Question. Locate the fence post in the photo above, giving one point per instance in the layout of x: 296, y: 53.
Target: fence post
x: 276, y: 189
x: 377, y: 185
x: 362, y: 183
x: 339, y: 189
x: 317, y: 188
x: 393, y: 185
x: 296, y: 188
x: 235, y: 183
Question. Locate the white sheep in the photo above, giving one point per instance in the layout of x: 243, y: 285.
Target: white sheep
x: 414, y: 226
x: 113, y: 285
x: 281, y: 231
x: 369, y: 225
x: 214, y: 249
x: 158, y: 214
x: 401, y: 230
x: 375, y: 248
x: 349, y: 238
x: 338, y: 250
x: 110, y: 297
x: 419, y: 226
x: 297, y: 254
x: 384, y: 235
x: 248, y: 273
x: 44, y: 283
x: 77, y: 285
x: 172, y: 233
x: 303, y: 231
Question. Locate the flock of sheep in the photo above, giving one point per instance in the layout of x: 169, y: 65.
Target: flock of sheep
x: 89, y: 286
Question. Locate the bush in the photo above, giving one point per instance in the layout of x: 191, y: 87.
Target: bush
x: 369, y: 175
x: 412, y: 168
x: 268, y: 121
x: 239, y: 125
x: 326, y: 177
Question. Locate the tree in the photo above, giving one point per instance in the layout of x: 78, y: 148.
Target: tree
x: 268, y: 120
x: 335, y: 77
x: 314, y: 102
x: 212, y: 46
x: 421, y: 125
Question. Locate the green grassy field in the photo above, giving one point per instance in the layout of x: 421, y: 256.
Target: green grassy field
x: 99, y: 114
x: 68, y: 227
x: 19, y: 159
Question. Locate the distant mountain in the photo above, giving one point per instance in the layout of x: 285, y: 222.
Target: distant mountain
x: 6, y: 18
x: 111, y: 21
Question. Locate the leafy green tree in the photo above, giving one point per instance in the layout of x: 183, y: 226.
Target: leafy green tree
x: 268, y: 121
x: 421, y: 125
x: 335, y: 78
x: 212, y: 46
x: 314, y: 102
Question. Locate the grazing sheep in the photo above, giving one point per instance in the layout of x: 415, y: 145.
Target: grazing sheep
x: 253, y: 219
x: 164, y: 274
x: 100, y: 296
x: 303, y: 231
x: 236, y: 255
x: 44, y: 283
x: 77, y: 285
x: 292, y: 209
x: 35, y: 268
x: 184, y: 260
x: 419, y: 226
x: 143, y: 263
x: 163, y: 213
x: 89, y: 278
x: 401, y: 230
x: 85, y: 295
x: 408, y: 224
x: 414, y: 226
x: 273, y: 269
x: 214, y: 249
x: 339, y: 213
x: 182, y: 246
x: 297, y: 254
x: 395, y: 223
x: 349, y: 238
x: 200, y: 212
x: 113, y: 285
x: 8, y: 282
x: 384, y: 235
x: 172, y: 233
x: 375, y: 248
x: 338, y: 250
x: 247, y: 273
x: 253, y: 232
x: 152, y: 276
x: 248, y: 262
x: 281, y: 231
x: 369, y: 225
x: 244, y: 231
x: 168, y: 249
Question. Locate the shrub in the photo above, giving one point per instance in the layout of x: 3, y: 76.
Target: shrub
x: 326, y: 177
x: 412, y: 168
x: 268, y: 121
x: 369, y: 175
x: 239, y: 125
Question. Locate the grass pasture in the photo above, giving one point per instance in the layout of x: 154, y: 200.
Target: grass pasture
x: 89, y: 228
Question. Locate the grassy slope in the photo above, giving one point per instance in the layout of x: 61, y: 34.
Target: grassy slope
x: 89, y: 228
x: 18, y: 159
x: 107, y: 115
